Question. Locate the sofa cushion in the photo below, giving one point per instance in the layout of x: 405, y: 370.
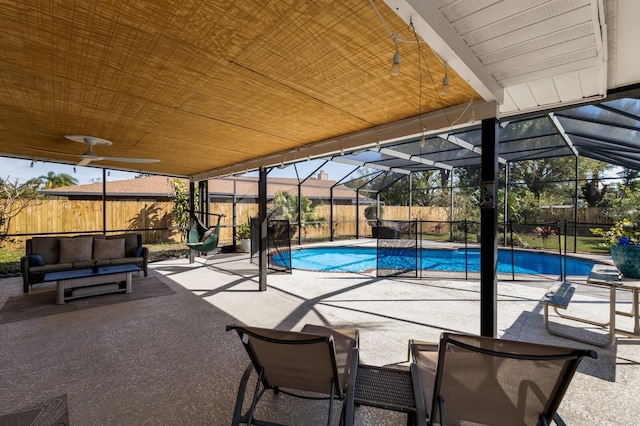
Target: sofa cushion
x: 108, y: 249
x: 75, y: 249
x: 36, y: 260
x: 46, y: 247
x: 130, y: 243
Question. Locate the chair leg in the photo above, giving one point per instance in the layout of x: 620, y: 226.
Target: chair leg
x: 333, y: 388
x: 558, y: 420
x: 256, y: 397
x: 237, y: 412
x: 348, y: 404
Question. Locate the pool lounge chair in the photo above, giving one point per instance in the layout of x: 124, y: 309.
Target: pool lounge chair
x: 480, y: 380
x: 317, y: 359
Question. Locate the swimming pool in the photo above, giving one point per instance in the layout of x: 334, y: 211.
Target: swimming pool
x: 361, y: 259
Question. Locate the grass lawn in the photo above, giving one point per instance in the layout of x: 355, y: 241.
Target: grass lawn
x: 10, y: 260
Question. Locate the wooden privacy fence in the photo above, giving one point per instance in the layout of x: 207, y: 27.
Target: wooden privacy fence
x: 63, y: 216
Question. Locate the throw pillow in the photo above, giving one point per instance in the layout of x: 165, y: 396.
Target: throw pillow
x: 36, y: 260
x: 75, y: 249
x: 108, y: 249
x: 207, y: 234
x: 130, y: 243
x: 138, y: 252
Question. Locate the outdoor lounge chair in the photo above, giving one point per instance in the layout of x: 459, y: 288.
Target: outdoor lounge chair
x: 317, y: 359
x: 481, y: 380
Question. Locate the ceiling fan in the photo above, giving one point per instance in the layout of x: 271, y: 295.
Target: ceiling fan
x: 89, y: 155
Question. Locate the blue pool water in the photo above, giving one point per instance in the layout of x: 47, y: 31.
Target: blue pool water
x: 360, y: 259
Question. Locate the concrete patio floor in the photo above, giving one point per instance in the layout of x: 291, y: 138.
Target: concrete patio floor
x: 167, y: 360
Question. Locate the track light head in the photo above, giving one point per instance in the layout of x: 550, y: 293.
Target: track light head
x: 395, y: 66
x: 445, y: 80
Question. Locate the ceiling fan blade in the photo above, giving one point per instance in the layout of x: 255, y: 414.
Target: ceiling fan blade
x: 130, y: 160
x: 86, y: 161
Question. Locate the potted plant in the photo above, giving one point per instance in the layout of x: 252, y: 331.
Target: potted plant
x: 243, y: 233
x: 623, y: 243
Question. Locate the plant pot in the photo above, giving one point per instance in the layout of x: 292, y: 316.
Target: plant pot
x: 626, y: 259
x: 245, y: 245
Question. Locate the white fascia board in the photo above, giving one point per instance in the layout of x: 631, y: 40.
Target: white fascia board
x: 436, y: 30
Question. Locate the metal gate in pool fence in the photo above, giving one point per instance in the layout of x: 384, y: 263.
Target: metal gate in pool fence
x: 397, y: 248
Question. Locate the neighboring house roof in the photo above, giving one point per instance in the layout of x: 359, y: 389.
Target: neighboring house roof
x: 244, y: 187
x: 151, y: 186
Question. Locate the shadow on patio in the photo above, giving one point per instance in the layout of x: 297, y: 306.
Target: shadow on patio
x: 168, y: 360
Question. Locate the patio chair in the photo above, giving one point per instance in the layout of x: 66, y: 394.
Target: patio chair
x: 481, y: 380
x: 318, y: 360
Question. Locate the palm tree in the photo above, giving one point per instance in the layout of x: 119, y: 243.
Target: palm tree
x: 285, y: 207
x: 53, y: 180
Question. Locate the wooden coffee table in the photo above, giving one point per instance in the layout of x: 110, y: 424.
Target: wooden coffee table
x: 107, y: 279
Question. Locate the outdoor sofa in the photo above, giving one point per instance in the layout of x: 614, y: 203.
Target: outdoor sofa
x: 52, y: 254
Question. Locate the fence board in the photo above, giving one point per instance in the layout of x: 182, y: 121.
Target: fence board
x: 58, y: 216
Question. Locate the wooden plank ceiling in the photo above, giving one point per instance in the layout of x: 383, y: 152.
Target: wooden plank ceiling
x: 204, y: 84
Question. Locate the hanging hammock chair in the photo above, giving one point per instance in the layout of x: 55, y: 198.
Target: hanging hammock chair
x: 201, y: 238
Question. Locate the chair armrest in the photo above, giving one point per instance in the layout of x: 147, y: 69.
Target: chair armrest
x: 145, y: 259
x: 24, y: 264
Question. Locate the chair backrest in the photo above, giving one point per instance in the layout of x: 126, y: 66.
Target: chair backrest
x: 493, y: 381
x: 293, y: 360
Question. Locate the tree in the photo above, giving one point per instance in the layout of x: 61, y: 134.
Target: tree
x: 14, y: 197
x: 546, y: 176
x: 180, y: 209
x: 53, y: 180
x: 285, y: 207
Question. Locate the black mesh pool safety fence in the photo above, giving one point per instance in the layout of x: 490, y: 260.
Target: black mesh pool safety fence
x: 397, y: 248
x: 279, y: 245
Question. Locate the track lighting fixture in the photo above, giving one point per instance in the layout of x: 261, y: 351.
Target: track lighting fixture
x: 108, y: 172
x: 395, y: 66
x: 445, y: 80
x: 31, y: 165
x: 74, y: 169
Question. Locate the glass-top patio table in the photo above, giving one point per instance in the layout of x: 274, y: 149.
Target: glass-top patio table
x: 608, y: 276
x: 105, y: 280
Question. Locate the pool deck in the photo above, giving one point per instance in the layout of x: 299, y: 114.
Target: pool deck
x: 167, y: 360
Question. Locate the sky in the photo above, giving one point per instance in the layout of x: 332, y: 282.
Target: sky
x: 22, y: 170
